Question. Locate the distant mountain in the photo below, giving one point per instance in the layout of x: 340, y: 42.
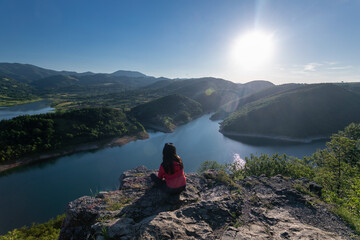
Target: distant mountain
x: 167, y: 112
x: 25, y: 72
x: 71, y: 73
x: 29, y: 73
x: 315, y: 110
x: 211, y: 93
x: 128, y: 74
x: 258, y: 85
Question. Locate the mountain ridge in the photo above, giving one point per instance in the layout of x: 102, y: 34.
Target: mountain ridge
x: 28, y: 73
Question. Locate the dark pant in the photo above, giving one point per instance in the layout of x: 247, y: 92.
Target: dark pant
x: 162, y: 185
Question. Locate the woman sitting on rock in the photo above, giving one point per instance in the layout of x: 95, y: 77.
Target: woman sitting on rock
x: 172, y: 170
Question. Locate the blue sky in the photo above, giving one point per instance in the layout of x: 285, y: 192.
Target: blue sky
x: 314, y: 41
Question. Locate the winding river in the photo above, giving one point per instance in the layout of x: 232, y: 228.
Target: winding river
x: 40, y: 191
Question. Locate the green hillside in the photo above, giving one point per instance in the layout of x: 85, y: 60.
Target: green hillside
x: 130, y: 82
x: 167, y: 112
x: 234, y: 105
x: 55, y: 82
x: 316, y: 110
x: 15, y: 92
x: 85, y: 84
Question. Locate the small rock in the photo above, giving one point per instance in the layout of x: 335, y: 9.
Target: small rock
x: 285, y: 235
x: 101, y: 194
x: 315, y: 188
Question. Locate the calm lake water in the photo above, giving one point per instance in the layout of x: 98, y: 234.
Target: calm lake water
x: 40, y: 191
x: 25, y: 109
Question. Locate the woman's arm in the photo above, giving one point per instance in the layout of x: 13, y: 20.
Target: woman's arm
x: 161, y: 173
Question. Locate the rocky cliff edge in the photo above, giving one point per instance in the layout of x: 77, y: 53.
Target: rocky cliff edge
x: 211, y: 207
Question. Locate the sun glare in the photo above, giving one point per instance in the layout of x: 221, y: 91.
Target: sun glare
x: 253, y: 50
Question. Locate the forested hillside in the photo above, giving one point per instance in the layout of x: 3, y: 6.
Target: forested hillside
x: 316, y: 110
x: 236, y: 104
x: 167, y: 112
x: 27, y: 135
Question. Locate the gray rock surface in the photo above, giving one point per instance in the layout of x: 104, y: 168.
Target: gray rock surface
x: 211, y: 207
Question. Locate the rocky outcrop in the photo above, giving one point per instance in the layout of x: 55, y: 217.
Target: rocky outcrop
x: 211, y: 207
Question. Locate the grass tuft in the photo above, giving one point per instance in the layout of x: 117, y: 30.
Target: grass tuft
x: 348, y: 217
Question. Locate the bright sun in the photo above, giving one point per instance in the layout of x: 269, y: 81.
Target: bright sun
x: 253, y: 50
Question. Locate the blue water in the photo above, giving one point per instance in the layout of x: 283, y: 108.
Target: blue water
x: 40, y: 191
x: 25, y: 109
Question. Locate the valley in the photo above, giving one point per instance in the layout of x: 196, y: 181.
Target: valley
x: 96, y: 113
x: 292, y: 112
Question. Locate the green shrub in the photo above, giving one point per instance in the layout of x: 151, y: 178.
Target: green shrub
x: 45, y: 231
x: 210, y: 165
x: 276, y: 164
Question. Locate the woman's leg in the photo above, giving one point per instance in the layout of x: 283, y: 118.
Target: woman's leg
x: 174, y: 191
x: 162, y: 184
x: 157, y: 181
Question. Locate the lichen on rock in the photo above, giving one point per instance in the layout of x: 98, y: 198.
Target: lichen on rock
x: 253, y: 208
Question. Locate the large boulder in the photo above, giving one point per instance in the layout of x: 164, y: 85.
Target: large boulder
x: 211, y: 207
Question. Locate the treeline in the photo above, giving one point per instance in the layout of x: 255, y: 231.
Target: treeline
x: 336, y: 168
x: 26, y: 135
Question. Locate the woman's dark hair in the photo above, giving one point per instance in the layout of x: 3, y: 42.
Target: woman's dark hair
x: 170, y: 156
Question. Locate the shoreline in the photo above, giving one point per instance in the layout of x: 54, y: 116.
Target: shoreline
x: 113, y: 142
x: 158, y: 128
x: 281, y: 138
x: 15, y: 102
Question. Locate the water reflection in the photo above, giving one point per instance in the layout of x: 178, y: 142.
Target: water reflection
x: 256, y: 141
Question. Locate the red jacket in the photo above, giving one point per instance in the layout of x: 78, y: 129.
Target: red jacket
x: 175, y: 180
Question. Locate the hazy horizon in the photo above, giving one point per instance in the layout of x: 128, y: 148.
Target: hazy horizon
x: 241, y: 41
